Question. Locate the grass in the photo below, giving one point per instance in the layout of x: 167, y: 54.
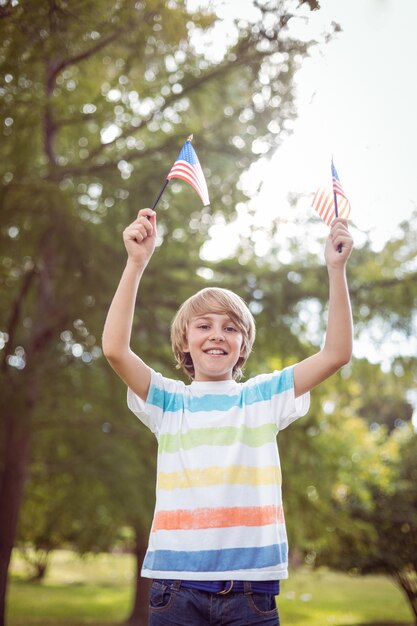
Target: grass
x: 97, y: 591
x: 325, y: 598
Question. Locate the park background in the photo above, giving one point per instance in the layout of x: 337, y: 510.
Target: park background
x: 97, y: 98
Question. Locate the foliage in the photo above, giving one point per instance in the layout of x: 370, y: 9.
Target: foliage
x: 384, y: 538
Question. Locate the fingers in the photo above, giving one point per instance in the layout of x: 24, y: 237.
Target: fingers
x: 339, y: 224
x: 340, y: 235
x: 146, y: 213
x: 143, y: 226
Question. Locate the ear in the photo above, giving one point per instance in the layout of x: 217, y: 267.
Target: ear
x: 185, y: 347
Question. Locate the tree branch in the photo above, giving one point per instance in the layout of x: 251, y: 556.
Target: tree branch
x: 52, y: 71
x: 58, y: 66
x: 385, y: 284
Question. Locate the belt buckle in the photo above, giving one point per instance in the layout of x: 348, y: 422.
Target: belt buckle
x: 226, y: 591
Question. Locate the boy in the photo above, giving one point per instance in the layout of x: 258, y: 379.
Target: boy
x: 218, y: 546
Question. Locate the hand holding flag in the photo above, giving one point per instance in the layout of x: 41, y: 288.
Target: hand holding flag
x: 187, y: 167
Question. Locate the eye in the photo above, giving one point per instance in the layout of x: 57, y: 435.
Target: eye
x: 230, y: 329
x: 203, y: 326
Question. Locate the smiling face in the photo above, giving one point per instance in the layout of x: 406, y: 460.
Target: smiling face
x: 207, y: 305
x: 214, y: 343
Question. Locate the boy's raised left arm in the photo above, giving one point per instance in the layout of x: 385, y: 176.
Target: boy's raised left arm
x: 337, y: 349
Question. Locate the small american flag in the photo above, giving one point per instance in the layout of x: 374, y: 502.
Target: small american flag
x: 331, y: 203
x: 188, y: 168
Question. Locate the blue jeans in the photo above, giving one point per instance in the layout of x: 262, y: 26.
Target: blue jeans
x: 173, y: 605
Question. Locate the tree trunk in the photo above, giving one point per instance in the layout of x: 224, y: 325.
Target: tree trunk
x: 407, y: 581
x: 139, y: 614
x: 13, y: 478
x: 19, y: 402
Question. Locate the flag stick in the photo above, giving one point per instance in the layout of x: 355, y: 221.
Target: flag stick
x: 334, y: 175
x: 336, y: 212
x: 164, y: 186
x: 161, y: 191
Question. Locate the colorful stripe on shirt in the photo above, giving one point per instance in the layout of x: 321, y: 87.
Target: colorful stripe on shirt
x: 220, y: 436
x: 222, y: 517
x: 226, y: 560
x: 171, y: 402
x: 233, y: 475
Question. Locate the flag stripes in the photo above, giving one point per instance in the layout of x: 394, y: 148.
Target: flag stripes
x: 323, y: 203
x: 187, y: 167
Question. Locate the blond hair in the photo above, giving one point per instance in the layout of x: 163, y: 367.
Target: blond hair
x: 212, y: 300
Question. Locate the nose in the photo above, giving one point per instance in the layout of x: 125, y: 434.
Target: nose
x: 216, y: 335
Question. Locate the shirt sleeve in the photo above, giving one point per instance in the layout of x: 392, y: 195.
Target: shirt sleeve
x: 161, y: 393
x: 286, y: 408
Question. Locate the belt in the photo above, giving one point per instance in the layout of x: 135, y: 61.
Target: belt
x: 223, y: 587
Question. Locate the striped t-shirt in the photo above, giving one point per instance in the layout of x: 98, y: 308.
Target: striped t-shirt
x: 218, y: 512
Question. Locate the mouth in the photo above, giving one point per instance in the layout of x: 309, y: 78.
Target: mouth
x: 215, y: 352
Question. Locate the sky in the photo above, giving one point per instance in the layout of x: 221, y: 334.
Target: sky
x: 357, y: 101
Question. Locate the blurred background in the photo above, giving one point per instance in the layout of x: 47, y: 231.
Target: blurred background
x: 96, y: 100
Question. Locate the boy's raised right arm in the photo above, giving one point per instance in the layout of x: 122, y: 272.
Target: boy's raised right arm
x: 337, y: 348
x: 139, y: 239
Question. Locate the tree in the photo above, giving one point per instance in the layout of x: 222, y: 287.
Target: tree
x: 73, y: 496
x: 95, y: 97
x: 382, y: 537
